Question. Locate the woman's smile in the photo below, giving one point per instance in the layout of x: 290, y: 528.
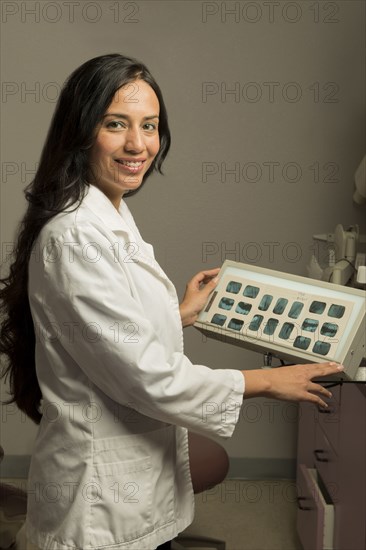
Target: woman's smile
x: 126, y: 142
x: 132, y: 166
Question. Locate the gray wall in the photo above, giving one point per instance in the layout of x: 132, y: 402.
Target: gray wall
x: 266, y: 105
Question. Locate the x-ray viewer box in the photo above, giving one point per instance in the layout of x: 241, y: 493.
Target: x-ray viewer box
x: 293, y: 317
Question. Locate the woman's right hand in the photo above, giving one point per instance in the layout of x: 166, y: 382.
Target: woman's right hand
x: 292, y: 383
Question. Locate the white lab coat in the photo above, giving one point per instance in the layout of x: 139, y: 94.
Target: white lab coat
x: 110, y: 465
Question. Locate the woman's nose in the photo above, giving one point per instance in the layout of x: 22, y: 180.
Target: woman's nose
x: 134, y: 140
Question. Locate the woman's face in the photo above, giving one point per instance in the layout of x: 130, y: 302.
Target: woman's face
x: 127, y: 141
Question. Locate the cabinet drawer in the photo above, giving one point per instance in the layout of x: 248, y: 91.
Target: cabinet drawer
x: 329, y: 419
x: 327, y: 464
x: 315, y: 516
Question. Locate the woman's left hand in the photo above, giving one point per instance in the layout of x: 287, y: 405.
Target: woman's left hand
x: 197, y: 292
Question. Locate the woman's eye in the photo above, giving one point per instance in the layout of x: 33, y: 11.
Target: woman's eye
x: 150, y: 126
x: 120, y: 125
x: 115, y: 125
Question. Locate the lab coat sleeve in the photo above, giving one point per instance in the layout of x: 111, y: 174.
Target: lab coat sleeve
x: 86, y: 289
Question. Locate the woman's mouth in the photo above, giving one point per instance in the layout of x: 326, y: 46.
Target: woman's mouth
x: 131, y: 166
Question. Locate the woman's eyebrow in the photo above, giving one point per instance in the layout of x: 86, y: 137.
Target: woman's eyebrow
x: 121, y: 115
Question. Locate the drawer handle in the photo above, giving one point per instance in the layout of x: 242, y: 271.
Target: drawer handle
x: 301, y: 507
x: 324, y: 411
x: 318, y: 455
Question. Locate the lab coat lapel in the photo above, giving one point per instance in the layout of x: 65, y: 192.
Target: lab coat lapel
x: 102, y: 207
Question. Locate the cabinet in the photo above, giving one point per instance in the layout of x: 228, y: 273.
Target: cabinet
x: 331, y: 471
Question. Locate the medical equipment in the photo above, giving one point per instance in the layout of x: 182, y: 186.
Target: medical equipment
x: 346, y: 264
x: 292, y: 317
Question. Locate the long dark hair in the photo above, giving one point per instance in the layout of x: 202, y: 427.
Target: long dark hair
x: 60, y: 182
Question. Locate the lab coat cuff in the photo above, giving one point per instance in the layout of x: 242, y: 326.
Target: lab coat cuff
x: 230, y: 409
x: 239, y: 382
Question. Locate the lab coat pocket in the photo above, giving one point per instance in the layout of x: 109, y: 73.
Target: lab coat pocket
x: 121, y: 509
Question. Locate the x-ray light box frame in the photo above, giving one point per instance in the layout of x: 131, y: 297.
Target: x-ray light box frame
x: 293, y: 317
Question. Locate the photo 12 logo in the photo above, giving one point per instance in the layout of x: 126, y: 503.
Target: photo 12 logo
x: 270, y: 12
x: 29, y: 12
x: 270, y: 92
x: 269, y: 171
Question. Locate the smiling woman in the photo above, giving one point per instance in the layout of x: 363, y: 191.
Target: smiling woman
x: 92, y: 323
x: 127, y: 141
x: 105, y: 330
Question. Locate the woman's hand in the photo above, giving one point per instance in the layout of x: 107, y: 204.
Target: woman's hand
x: 197, y: 292
x: 293, y: 383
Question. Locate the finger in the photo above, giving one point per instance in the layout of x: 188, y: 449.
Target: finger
x: 325, y: 369
x: 316, y: 400
x: 208, y: 288
x: 196, y: 282
x: 201, y: 276
x: 210, y: 274
x: 319, y: 389
x: 322, y: 403
x: 202, y: 279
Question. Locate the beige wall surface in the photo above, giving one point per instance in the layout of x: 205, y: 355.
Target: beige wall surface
x: 266, y: 102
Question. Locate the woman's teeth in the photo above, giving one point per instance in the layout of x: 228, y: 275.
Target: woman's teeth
x: 129, y: 163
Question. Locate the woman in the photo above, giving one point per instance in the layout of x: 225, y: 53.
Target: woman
x: 93, y: 334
